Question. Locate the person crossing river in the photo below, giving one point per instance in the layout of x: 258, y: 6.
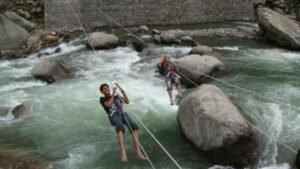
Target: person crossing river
x: 113, y: 105
x: 168, y: 69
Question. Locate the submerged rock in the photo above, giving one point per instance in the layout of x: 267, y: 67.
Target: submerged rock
x: 195, y: 67
x: 278, y: 28
x: 50, y: 71
x: 101, y: 40
x: 214, y: 125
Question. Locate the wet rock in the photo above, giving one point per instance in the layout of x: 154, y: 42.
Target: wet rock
x: 143, y: 29
x: 196, y: 68
x: 50, y: 71
x: 215, y: 126
x: 58, y: 50
x: 157, y: 39
x: 187, y: 41
x: 18, y: 111
x: 201, y: 50
x: 101, y: 40
x: 29, y: 26
x: 12, y: 35
x: 138, y: 45
x: 278, y: 28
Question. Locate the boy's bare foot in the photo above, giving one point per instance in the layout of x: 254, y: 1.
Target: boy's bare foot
x: 140, y: 156
x: 124, y: 158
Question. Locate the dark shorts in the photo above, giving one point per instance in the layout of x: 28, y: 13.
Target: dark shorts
x: 170, y: 80
x: 120, y: 119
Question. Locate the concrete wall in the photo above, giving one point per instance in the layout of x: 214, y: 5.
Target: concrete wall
x: 59, y: 14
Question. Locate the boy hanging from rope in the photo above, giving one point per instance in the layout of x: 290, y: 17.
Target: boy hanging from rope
x: 167, y: 68
x: 113, y: 105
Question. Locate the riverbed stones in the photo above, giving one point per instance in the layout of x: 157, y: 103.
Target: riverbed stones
x: 101, y: 40
x: 12, y: 36
x: 215, y: 126
x: 196, y: 68
x: 50, y: 71
x: 29, y: 26
x: 278, y: 28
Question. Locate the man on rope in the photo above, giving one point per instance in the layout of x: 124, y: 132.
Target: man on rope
x: 167, y: 68
x: 113, y: 105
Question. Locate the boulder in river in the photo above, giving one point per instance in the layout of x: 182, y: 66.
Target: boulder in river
x: 50, y: 71
x: 215, y: 126
x: 196, y: 68
x: 278, y: 28
x: 101, y: 40
x: 18, y: 111
x: 12, y: 36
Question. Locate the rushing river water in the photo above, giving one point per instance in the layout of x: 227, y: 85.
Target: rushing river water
x: 66, y: 125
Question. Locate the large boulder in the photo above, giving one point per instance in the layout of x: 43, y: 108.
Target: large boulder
x: 12, y: 35
x: 50, y: 71
x: 214, y: 125
x: 29, y: 26
x: 196, y: 68
x: 278, y: 28
x: 101, y: 40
